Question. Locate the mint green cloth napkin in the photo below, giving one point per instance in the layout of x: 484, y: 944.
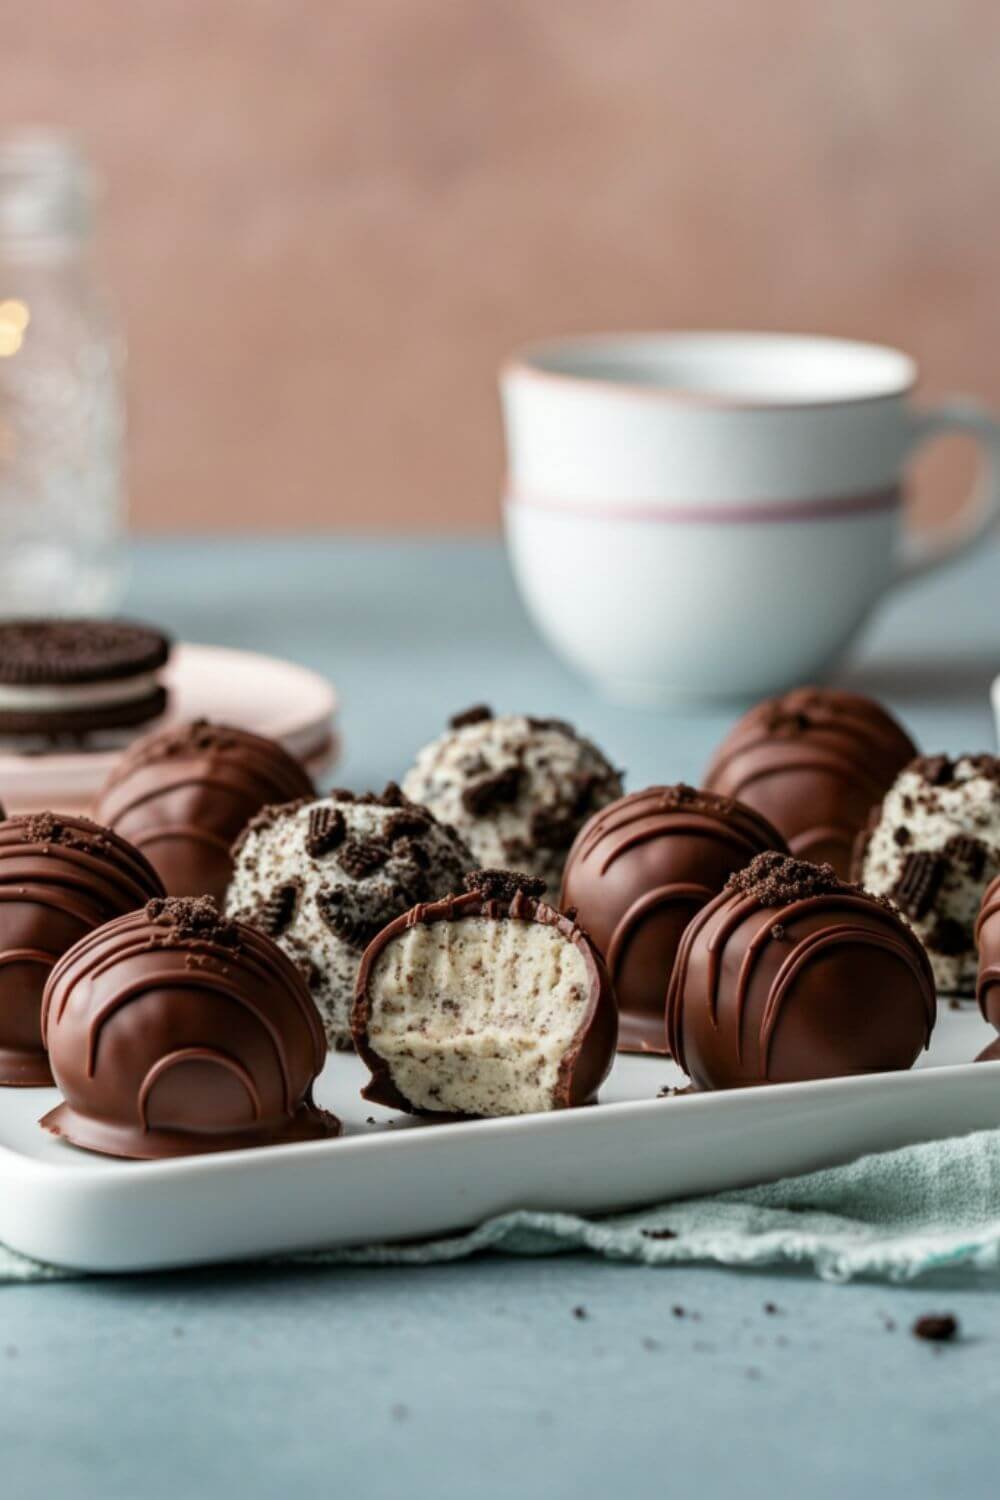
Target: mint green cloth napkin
x: 893, y: 1216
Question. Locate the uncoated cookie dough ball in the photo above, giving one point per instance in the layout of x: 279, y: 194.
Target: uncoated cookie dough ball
x: 323, y: 877
x: 517, y: 789
x: 933, y: 848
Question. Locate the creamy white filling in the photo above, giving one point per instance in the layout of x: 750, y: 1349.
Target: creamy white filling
x: 45, y: 697
x: 476, y: 1016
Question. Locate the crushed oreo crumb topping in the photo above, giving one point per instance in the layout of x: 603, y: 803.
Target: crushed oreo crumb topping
x: 937, y: 770
x: 192, y: 917
x: 774, y: 879
x: 503, y: 885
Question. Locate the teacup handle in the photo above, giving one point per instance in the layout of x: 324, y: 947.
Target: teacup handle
x: 981, y: 510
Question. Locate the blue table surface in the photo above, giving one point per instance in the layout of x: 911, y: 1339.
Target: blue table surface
x: 477, y: 1380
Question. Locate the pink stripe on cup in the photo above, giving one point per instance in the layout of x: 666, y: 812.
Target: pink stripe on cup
x: 821, y: 508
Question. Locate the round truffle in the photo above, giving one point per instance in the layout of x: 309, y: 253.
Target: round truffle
x: 792, y: 974
x: 173, y: 1032
x: 183, y: 795
x: 323, y: 877
x: 60, y: 877
x: 814, y: 763
x: 488, y: 1003
x: 933, y: 847
x: 636, y: 875
x: 987, y: 938
x: 517, y: 789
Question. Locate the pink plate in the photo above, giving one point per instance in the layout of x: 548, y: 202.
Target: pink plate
x: 261, y: 693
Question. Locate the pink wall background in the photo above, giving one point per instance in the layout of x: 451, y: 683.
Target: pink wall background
x: 328, y: 221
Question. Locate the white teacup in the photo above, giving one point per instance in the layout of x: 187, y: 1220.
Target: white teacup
x: 716, y: 514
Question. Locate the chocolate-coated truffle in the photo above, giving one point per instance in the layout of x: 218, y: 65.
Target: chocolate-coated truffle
x: 933, y: 847
x: 60, y: 877
x: 183, y: 796
x: 517, y: 789
x: 636, y: 875
x: 174, y: 1032
x: 488, y: 1003
x: 793, y: 974
x: 987, y: 938
x: 322, y: 878
x: 814, y: 763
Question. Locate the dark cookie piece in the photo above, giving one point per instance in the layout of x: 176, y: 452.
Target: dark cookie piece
x: 360, y: 857
x: 919, y: 882
x: 277, y: 911
x: 327, y: 829
x: 968, y: 852
x: 492, y: 791
x: 939, y: 1328
x: 477, y: 714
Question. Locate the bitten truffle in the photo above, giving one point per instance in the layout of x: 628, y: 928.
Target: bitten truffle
x: 814, y: 763
x: 517, y: 789
x: 174, y: 1032
x: 60, y: 877
x: 792, y: 974
x: 323, y: 877
x: 636, y: 875
x: 489, y: 1003
x: 933, y: 847
x: 183, y: 795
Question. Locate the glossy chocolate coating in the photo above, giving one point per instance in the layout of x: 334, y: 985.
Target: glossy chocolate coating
x: 814, y: 762
x: 174, y: 1032
x: 638, y: 872
x: 60, y: 877
x: 791, y: 974
x: 584, y: 1066
x: 988, y: 944
x: 184, y: 795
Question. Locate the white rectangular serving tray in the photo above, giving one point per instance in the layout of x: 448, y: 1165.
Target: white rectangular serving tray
x: 391, y: 1177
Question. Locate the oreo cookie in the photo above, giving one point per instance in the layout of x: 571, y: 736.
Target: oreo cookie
x: 83, y: 681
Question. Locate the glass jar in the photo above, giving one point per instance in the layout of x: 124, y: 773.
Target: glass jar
x: 61, y: 403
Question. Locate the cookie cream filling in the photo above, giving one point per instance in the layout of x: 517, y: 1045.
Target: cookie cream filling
x: 49, y: 697
x: 476, y: 1016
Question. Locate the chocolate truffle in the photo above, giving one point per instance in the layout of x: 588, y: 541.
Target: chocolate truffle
x: 814, y: 763
x: 184, y: 794
x: 638, y: 872
x: 173, y: 1032
x: 793, y: 974
x: 489, y: 1003
x: 78, y: 680
x: 933, y: 847
x: 323, y: 877
x: 60, y: 877
x: 987, y: 938
x: 517, y: 789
